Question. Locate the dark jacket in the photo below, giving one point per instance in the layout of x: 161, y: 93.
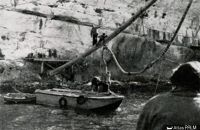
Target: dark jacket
x: 94, y: 32
x: 180, y: 106
x: 172, y: 108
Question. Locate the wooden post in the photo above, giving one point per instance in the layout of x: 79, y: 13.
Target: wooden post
x: 109, y: 38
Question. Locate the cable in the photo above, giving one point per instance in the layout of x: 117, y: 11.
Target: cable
x: 162, y: 54
x: 158, y: 79
x: 103, y: 58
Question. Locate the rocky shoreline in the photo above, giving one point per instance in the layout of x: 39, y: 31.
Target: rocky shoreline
x: 124, y: 88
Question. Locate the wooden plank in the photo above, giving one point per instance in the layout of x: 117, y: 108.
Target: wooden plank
x: 45, y: 60
x: 49, y: 60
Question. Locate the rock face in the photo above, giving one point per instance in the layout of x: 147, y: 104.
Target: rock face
x: 135, y: 53
x: 21, y: 34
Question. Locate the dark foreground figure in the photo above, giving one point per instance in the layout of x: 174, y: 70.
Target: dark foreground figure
x: 177, y: 108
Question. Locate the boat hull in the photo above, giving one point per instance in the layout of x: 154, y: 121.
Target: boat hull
x: 79, y: 100
x: 17, y: 98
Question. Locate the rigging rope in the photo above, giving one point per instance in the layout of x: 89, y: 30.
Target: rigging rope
x: 162, y: 54
x: 158, y: 79
x: 104, y: 61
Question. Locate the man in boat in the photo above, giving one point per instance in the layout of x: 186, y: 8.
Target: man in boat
x: 104, y: 85
x: 94, y: 34
x: 180, y: 106
x: 95, y: 83
x: 99, y: 85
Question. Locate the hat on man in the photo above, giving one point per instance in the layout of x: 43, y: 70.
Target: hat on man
x: 187, y: 74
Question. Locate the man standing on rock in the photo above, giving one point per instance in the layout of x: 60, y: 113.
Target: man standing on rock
x: 1, y: 55
x: 102, y: 37
x: 179, y: 108
x: 94, y: 34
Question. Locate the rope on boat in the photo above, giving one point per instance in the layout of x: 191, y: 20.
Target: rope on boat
x: 104, y: 61
x: 16, y: 90
x: 148, y: 66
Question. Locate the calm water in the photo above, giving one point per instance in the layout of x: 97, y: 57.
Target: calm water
x: 36, y: 117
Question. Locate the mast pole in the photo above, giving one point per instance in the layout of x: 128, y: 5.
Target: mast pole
x: 107, y: 39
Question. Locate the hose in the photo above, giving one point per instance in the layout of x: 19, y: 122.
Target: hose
x: 148, y: 66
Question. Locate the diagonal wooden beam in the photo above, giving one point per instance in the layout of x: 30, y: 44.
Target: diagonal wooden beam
x: 109, y: 38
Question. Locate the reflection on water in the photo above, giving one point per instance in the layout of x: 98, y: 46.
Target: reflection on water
x: 36, y: 117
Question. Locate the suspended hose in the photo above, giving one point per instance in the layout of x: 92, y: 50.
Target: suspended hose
x: 162, y: 54
x: 119, y: 66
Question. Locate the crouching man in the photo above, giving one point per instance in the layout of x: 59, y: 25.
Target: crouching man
x: 101, y: 86
x: 178, y: 108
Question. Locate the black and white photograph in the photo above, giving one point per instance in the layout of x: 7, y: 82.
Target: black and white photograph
x: 99, y: 65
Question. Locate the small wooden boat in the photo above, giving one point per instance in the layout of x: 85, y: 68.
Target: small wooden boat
x: 67, y: 98
x: 19, y: 98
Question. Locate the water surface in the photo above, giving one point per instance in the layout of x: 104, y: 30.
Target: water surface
x: 37, y: 117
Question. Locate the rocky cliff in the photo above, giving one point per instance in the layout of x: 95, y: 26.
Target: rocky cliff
x: 23, y: 33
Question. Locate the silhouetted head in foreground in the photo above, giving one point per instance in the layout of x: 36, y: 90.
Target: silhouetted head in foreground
x: 177, y: 107
x: 187, y: 75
